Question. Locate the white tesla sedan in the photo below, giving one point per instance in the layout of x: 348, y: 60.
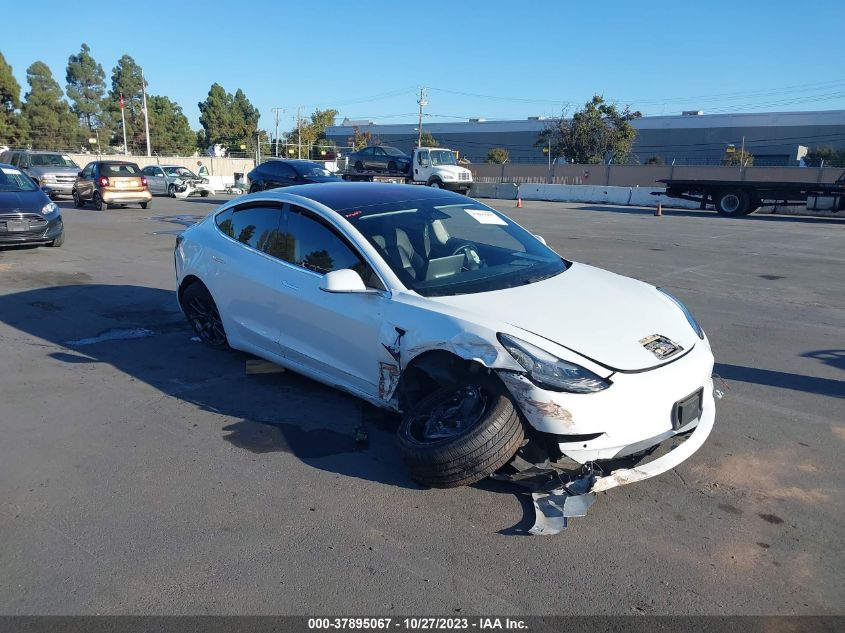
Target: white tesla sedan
x: 434, y: 305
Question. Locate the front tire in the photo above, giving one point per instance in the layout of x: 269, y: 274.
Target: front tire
x: 391, y: 166
x: 434, y: 183
x: 171, y: 191
x: 460, y: 434
x: 732, y: 202
x: 201, y: 312
x: 359, y: 166
x: 56, y: 243
x: 78, y: 202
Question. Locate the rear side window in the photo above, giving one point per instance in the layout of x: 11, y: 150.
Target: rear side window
x: 257, y: 227
x: 281, y: 169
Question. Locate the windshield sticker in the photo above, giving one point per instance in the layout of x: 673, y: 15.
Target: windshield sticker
x: 11, y: 172
x: 486, y: 217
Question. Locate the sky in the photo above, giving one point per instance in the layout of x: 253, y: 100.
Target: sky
x: 494, y: 60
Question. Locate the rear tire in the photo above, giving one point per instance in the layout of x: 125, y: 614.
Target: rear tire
x: 204, y: 194
x: 98, y: 201
x: 201, y: 312
x: 254, y: 188
x: 470, y: 454
x: 145, y: 205
x: 732, y: 202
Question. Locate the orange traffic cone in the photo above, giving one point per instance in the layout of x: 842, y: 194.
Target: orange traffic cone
x: 658, y: 212
x: 519, y: 203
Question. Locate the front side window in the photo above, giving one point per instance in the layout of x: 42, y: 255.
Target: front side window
x: 440, y: 247
x: 88, y: 172
x: 179, y: 172
x: 318, y: 248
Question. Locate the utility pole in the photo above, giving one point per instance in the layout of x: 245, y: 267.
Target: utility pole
x: 277, y: 112
x: 146, y: 117
x: 298, y: 132
x: 423, y: 101
x: 123, y: 122
x: 257, y: 147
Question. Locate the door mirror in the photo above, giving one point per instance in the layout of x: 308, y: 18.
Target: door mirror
x: 541, y: 239
x: 79, y: 174
x: 344, y: 280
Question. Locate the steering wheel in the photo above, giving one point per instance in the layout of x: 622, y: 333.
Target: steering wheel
x: 472, y: 260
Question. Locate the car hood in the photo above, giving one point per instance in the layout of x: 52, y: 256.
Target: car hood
x: 598, y: 314
x: 451, y: 169
x: 23, y: 201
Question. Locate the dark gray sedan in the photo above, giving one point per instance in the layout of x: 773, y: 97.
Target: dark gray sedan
x: 27, y: 215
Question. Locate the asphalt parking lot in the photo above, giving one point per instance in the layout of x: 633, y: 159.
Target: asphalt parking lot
x: 142, y: 473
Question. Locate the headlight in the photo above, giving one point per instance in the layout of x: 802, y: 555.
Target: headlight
x: 447, y: 176
x: 690, y: 319
x: 49, y: 209
x: 550, y: 371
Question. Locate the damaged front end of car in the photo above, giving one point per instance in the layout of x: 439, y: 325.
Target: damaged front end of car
x: 590, y: 433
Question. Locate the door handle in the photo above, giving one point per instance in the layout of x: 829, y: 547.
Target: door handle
x: 219, y: 260
x: 287, y: 284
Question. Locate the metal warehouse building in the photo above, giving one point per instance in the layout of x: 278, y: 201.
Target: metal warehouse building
x: 774, y: 138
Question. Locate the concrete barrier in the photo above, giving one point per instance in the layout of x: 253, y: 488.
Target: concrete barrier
x: 500, y: 190
x: 623, y: 196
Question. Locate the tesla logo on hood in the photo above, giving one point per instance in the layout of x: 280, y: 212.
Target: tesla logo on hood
x: 660, y: 346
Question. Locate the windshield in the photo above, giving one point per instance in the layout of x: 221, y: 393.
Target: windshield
x: 51, y: 160
x: 437, y: 248
x: 14, y: 180
x: 313, y: 170
x: 442, y: 157
x: 392, y: 151
x: 181, y: 172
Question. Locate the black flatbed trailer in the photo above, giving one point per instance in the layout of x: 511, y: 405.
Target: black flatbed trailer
x: 738, y: 197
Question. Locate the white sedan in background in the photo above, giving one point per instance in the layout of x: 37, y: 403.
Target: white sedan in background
x: 431, y: 304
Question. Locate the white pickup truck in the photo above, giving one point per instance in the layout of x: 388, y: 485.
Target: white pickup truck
x: 432, y: 166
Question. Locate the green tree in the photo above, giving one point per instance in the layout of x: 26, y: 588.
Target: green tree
x: 360, y: 139
x: 311, y: 131
x: 127, y: 80
x: 170, y: 132
x: 498, y: 156
x: 595, y: 134
x: 12, y: 130
x: 830, y: 156
x: 48, y: 118
x: 427, y: 140
x: 735, y: 158
x: 227, y: 119
x: 86, y: 85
